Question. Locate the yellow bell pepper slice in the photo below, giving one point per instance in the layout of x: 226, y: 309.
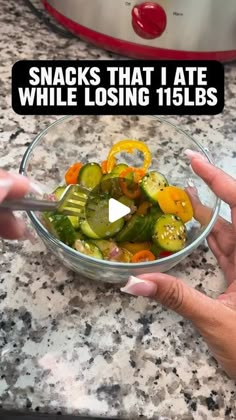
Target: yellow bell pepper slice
x: 129, y: 146
x: 174, y: 200
x: 135, y: 247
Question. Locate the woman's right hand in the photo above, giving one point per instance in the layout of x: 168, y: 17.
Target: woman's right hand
x: 214, y: 318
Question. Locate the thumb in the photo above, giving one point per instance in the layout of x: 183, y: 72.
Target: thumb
x: 174, y: 294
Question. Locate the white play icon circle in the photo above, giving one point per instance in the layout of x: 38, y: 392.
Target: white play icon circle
x: 117, y: 210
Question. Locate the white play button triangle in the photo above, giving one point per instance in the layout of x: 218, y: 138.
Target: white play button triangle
x: 117, y: 210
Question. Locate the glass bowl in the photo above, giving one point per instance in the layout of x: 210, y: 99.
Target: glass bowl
x: 89, y: 138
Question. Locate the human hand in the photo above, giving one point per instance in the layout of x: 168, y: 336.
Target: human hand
x: 214, y: 319
x: 13, y: 186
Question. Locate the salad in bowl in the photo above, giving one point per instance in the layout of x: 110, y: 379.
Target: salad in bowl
x: 137, y: 161
x: 155, y: 226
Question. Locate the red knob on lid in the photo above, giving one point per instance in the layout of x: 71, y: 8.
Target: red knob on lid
x: 149, y: 20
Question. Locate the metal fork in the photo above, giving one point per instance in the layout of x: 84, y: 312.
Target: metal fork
x: 71, y: 203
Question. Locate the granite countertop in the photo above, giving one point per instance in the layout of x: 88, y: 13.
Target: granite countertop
x: 70, y: 346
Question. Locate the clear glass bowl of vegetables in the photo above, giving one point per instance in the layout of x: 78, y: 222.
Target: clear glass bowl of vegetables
x: 136, y: 160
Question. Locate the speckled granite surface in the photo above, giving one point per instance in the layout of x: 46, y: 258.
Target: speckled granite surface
x: 69, y: 347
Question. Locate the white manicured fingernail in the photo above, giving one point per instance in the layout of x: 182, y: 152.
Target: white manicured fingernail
x: 34, y: 187
x: 139, y: 287
x: 192, y: 154
x: 6, y: 183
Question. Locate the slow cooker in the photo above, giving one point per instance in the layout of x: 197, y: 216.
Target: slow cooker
x: 167, y: 29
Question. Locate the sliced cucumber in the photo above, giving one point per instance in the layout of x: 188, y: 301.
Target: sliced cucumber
x: 61, y: 227
x: 88, y: 248
x: 145, y: 233
x: 151, y: 183
x: 126, y: 201
x: 79, y: 235
x: 170, y: 233
x: 107, y: 183
x: 110, y: 185
x: 87, y: 231
x: 119, y: 168
x: 137, y: 229
x: 130, y: 229
x: 155, y: 212
x: 90, y: 175
x: 104, y: 245
x: 97, y: 225
x: 58, y: 193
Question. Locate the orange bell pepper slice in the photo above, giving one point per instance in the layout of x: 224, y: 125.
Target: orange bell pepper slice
x: 130, y: 185
x: 174, y: 200
x: 143, y: 256
x: 71, y: 176
x: 129, y: 146
x: 104, y: 167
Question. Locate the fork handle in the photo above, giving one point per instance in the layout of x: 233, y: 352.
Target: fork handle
x: 29, y: 205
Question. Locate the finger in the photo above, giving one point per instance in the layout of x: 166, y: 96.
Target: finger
x: 174, y: 294
x: 224, y: 260
x: 215, y: 249
x: 11, y: 227
x: 223, y: 185
x: 232, y: 289
x: 228, y: 299
x: 16, y: 185
x: 5, y: 187
x: 224, y: 230
x: 203, y: 215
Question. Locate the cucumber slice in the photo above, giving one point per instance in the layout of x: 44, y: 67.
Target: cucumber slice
x: 145, y: 232
x: 87, y: 231
x: 119, y: 168
x: 88, y: 249
x: 156, y: 211
x: 107, y: 183
x: 61, y: 227
x: 74, y: 219
x: 90, y: 175
x: 104, y: 246
x: 130, y: 229
x: 126, y: 201
x: 152, y: 183
x: 137, y: 229
x: 97, y: 225
x: 79, y: 235
x: 110, y: 185
x: 170, y: 233
x: 59, y: 191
